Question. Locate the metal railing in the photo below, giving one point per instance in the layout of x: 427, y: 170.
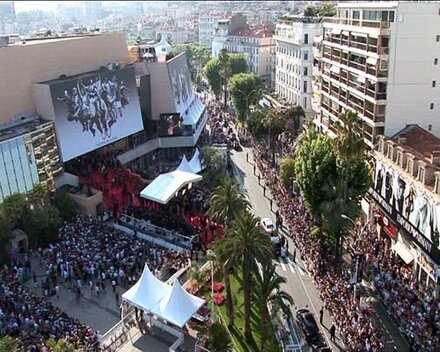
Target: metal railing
x: 357, y: 22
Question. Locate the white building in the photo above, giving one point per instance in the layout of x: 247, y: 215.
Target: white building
x: 173, y: 35
x: 258, y: 47
x: 382, y: 60
x: 294, y: 39
x: 208, y: 22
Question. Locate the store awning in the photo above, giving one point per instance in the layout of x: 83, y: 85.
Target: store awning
x: 371, y: 60
x: 361, y: 79
x: 335, y: 69
x: 403, y: 253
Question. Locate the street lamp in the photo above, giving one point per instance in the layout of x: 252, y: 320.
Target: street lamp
x: 247, y: 96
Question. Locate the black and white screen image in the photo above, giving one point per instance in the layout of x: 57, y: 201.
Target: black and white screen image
x: 180, y: 83
x: 418, y: 209
x: 170, y: 125
x: 95, y: 109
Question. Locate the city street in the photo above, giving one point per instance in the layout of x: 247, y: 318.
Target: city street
x: 299, y: 282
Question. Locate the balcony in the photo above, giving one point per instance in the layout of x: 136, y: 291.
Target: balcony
x: 357, y: 22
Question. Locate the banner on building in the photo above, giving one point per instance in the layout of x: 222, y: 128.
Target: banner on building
x: 411, y: 209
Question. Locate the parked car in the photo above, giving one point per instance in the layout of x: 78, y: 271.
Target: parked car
x: 308, y: 325
x: 268, y: 225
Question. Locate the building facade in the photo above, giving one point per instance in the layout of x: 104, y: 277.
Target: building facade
x: 258, y: 46
x: 207, y: 25
x: 379, y: 61
x: 406, y: 197
x: 294, y: 39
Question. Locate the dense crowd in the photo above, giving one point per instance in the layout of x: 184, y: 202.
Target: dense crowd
x: 352, y: 319
x: 32, y: 319
x: 222, y: 126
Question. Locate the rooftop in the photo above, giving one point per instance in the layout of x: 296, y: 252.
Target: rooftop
x: 368, y: 5
x: 420, y: 141
x: 20, y: 128
x: 253, y: 33
x: 44, y: 40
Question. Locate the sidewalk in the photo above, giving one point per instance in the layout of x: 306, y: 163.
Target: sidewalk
x: 261, y: 207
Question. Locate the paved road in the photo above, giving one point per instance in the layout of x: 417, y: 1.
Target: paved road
x: 299, y: 284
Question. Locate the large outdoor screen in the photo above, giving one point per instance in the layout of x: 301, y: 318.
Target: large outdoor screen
x: 413, y: 210
x: 180, y: 83
x: 95, y: 109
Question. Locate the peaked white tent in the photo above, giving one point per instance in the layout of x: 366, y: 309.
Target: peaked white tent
x: 165, y: 186
x: 185, y: 166
x: 178, y: 306
x: 195, y: 163
x: 171, y: 303
x: 147, y: 292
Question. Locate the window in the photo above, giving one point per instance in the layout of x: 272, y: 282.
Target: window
x: 436, y: 61
x: 437, y: 38
x: 305, y: 103
x: 431, y: 106
x: 305, y: 71
x: 306, y: 55
x: 433, y: 84
x: 305, y: 87
x: 430, y: 127
x: 306, y: 39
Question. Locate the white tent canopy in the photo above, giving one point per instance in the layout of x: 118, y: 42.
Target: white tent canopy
x: 165, y: 186
x: 195, y: 163
x: 185, y: 165
x: 178, y: 306
x: 147, y: 292
x: 171, y: 303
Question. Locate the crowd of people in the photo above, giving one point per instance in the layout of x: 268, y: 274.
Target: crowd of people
x: 33, y: 319
x: 222, y: 126
x: 353, y: 320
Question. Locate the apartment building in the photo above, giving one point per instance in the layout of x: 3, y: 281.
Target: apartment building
x: 381, y: 60
x: 207, y: 24
x: 258, y: 46
x: 406, y: 194
x: 294, y: 38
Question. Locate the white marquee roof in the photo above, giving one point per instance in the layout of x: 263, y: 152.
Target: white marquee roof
x: 165, y: 186
x: 195, y: 163
x: 171, y: 303
x: 185, y: 166
x: 147, y: 291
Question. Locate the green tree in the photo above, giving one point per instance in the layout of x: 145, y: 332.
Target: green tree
x: 245, y: 243
x: 293, y: 117
x: 41, y: 225
x: 237, y: 63
x: 311, y: 11
x: 39, y: 196
x: 245, y: 90
x: 327, y: 10
x: 226, y: 203
x: 12, y: 209
x: 212, y: 73
x: 9, y: 344
x: 267, y: 290
x: 5, y: 241
x: 61, y: 345
x: 315, y: 165
x: 67, y: 207
x: 219, y: 339
x: 255, y: 124
x: 225, y: 74
x: 215, y: 164
x: 287, y: 171
x: 195, y: 274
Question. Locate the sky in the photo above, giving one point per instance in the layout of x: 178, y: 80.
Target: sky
x: 21, y: 6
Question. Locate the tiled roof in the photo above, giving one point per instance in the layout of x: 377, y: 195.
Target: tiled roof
x: 418, y: 139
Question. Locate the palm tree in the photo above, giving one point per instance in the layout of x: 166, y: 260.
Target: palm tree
x: 226, y: 202
x: 245, y: 243
x: 349, y: 146
x: 267, y: 290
